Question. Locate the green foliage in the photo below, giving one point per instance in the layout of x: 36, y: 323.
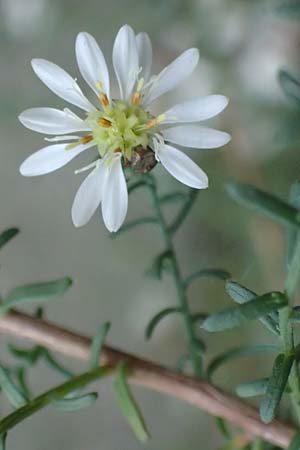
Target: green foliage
x: 37, y: 292
x: 157, y: 318
x: 240, y: 294
x: 275, y: 387
x: 252, y: 388
x: 7, y: 235
x: 254, y: 309
x: 14, y: 395
x: 97, y: 344
x: 295, y: 443
x: 265, y: 203
x: 129, y: 406
x: 294, y: 200
x: 75, y: 403
x: 236, y: 353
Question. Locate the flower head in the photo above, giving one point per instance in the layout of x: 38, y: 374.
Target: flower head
x: 122, y: 129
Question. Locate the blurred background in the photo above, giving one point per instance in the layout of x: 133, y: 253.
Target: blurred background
x: 242, y: 44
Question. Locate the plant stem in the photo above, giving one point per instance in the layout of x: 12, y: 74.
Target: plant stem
x: 286, y: 329
x: 178, y: 279
x: 45, y: 399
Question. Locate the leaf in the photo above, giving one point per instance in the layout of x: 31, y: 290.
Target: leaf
x: 290, y: 86
x: 75, y: 403
x: 38, y: 292
x: 252, y: 388
x: 240, y: 294
x: 7, y: 235
x: 97, y: 344
x: 207, y: 273
x: 223, y: 427
x: 159, y: 264
x: 238, y: 352
x: 14, y: 395
x: 157, y: 318
x: 275, y: 387
x: 295, y: 442
x: 265, y: 203
x: 129, y: 406
x: 254, y: 309
x: 51, y: 361
x: 3, y: 437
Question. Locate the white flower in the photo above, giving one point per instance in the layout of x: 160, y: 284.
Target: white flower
x: 120, y: 128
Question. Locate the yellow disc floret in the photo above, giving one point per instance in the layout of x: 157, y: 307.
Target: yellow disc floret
x: 120, y: 127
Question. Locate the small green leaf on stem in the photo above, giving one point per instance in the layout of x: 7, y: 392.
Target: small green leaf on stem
x: 157, y: 318
x: 38, y: 292
x: 252, y: 388
x: 238, y: 352
x: 75, y: 403
x: 129, y: 406
x: 3, y: 437
x: 207, y: 273
x: 223, y: 428
x: 97, y: 344
x: 240, y: 294
x: 7, y: 235
x: 275, y: 387
x: 236, y: 316
x: 14, y: 395
x: 295, y: 442
x: 265, y: 203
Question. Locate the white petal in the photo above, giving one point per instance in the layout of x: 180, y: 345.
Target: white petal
x: 88, y: 196
x: 195, y: 110
x: 144, y: 48
x: 115, y: 197
x: 61, y: 83
x: 195, y: 136
x: 182, y: 167
x: 91, y: 63
x: 51, y: 121
x: 50, y: 158
x: 173, y: 74
x: 125, y: 60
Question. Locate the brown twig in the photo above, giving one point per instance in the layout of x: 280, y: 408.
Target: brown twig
x: 150, y: 375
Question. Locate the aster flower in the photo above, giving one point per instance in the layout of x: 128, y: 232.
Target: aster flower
x: 122, y: 129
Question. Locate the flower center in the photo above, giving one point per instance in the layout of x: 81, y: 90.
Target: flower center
x: 120, y: 127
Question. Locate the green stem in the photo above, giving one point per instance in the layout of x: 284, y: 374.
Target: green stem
x: 45, y: 399
x: 178, y: 279
x: 286, y: 329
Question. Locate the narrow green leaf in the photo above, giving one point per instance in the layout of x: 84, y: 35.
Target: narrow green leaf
x: 38, y: 292
x: 21, y: 378
x: 295, y: 442
x: 31, y: 356
x: 265, y: 203
x: 157, y: 318
x: 290, y: 86
x: 55, y: 365
x: 75, y: 403
x: 7, y: 235
x: 183, y: 211
x: 252, y: 388
x: 223, y: 427
x: 254, y: 309
x: 159, y: 264
x: 129, y: 406
x: 236, y: 353
x: 14, y: 395
x: 207, y: 273
x: 3, y: 437
x: 275, y: 387
x: 97, y: 344
x: 240, y: 294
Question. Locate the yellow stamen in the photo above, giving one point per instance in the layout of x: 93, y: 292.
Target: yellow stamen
x: 86, y: 139
x: 103, y: 99
x: 105, y: 123
x: 153, y: 122
x: 136, y: 97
